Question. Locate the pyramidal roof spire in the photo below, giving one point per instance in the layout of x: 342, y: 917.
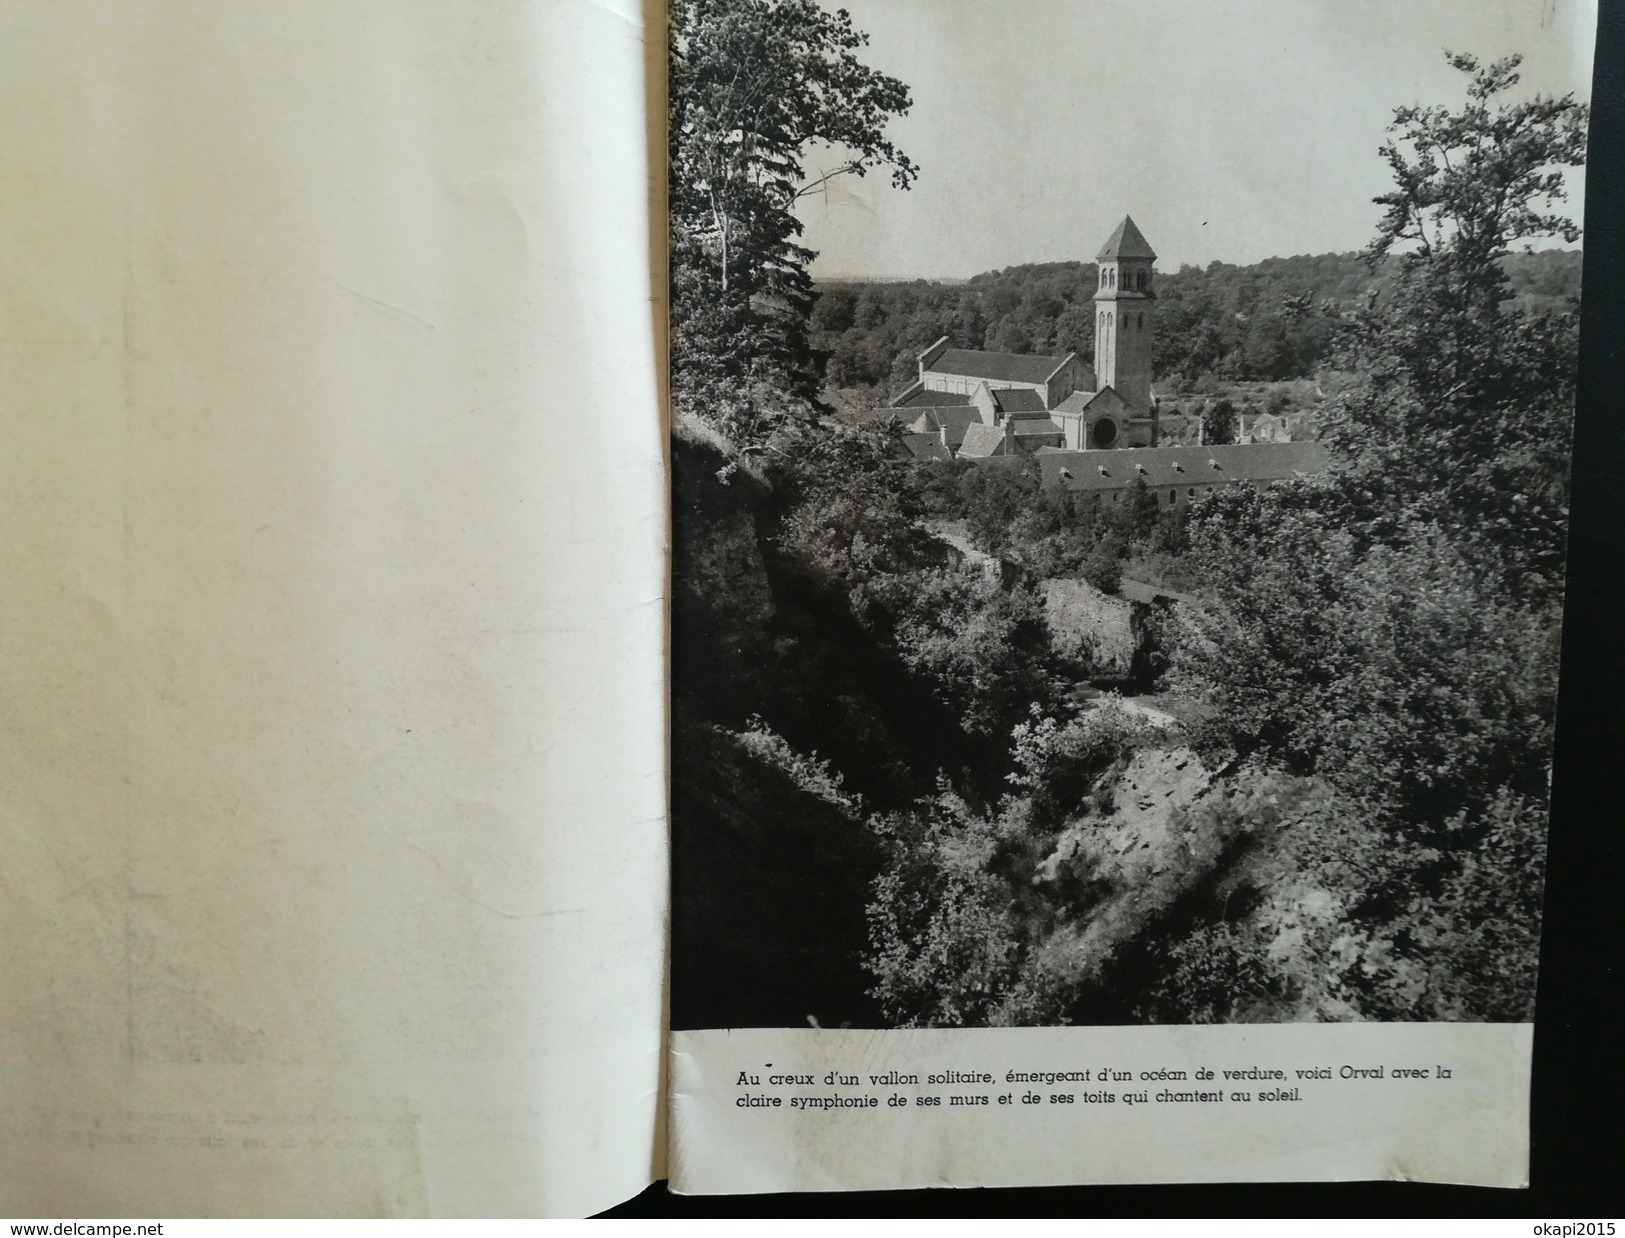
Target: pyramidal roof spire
x: 1126, y: 242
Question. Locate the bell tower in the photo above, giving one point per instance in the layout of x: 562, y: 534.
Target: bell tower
x: 1124, y: 303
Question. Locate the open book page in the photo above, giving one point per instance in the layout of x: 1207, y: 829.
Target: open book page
x: 1120, y: 482
x: 332, y: 633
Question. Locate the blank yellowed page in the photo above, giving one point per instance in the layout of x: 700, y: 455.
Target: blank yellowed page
x: 333, y: 529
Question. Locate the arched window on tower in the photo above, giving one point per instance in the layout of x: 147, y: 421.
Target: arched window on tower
x: 1139, y: 322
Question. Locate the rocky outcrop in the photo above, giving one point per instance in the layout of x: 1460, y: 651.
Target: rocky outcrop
x: 1091, y: 628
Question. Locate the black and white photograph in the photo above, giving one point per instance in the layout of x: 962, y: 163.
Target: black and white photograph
x: 1120, y: 463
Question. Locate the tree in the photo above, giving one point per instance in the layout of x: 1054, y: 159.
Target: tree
x: 1467, y: 405
x: 1371, y: 665
x: 850, y: 504
x: 755, y: 86
x: 1468, y: 184
x: 992, y: 500
x: 1219, y: 422
x: 1388, y: 631
x: 944, y: 946
x: 985, y: 649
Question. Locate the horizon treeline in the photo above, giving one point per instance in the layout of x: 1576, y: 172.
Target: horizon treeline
x: 895, y: 801
x: 1266, y: 321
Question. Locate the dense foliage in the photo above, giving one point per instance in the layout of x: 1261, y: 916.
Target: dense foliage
x: 1391, y: 630
x: 1221, y: 323
x: 1050, y: 534
x: 755, y: 84
x: 1333, y: 807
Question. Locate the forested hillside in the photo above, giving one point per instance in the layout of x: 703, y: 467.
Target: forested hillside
x: 899, y: 797
x: 1270, y: 321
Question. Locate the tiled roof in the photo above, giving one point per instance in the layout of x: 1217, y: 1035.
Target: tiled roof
x: 983, y: 440
x: 926, y: 447
x: 955, y: 420
x: 1019, y: 400
x: 1183, y: 467
x: 1032, y: 427
x: 907, y: 394
x: 1078, y: 401
x: 1005, y: 367
x: 1297, y: 420
x: 918, y: 397
x: 1126, y: 242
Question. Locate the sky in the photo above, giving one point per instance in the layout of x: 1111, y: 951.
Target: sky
x: 1229, y: 129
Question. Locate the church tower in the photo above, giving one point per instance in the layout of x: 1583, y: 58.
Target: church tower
x: 1123, y: 307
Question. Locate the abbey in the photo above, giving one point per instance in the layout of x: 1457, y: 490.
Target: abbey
x: 974, y: 405
x: 979, y: 404
x: 1125, y: 305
